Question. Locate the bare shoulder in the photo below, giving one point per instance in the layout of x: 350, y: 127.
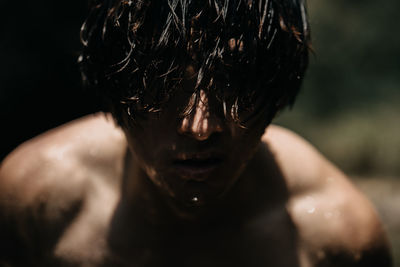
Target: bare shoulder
x: 52, y: 171
x: 48, y: 186
x: 337, y: 225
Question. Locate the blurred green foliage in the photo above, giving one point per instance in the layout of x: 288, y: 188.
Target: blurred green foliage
x: 350, y: 104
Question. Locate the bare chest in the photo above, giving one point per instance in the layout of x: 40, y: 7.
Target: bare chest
x: 269, y: 241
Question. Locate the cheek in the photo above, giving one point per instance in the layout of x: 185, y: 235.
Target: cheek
x: 145, y: 150
x: 143, y: 147
x: 141, y: 143
x: 150, y: 144
x: 249, y: 135
x: 245, y: 143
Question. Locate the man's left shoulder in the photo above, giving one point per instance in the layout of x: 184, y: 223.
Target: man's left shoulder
x: 337, y: 225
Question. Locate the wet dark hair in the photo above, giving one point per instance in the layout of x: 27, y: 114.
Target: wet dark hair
x: 135, y: 53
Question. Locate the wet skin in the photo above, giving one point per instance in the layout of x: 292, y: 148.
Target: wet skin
x: 181, y: 191
x: 195, y: 159
x: 231, y: 232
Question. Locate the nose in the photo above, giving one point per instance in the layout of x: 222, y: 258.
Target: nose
x: 201, y: 123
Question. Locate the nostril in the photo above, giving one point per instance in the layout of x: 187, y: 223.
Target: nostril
x: 202, y: 136
x: 200, y: 132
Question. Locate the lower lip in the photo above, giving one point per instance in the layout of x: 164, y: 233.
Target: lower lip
x: 196, y: 173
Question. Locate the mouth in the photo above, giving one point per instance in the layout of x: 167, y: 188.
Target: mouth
x: 195, y: 167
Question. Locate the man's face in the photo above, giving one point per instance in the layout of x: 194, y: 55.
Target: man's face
x: 194, y: 159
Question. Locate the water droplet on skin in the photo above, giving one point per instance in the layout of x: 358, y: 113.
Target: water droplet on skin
x: 194, y: 193
x: 196, y: 201
x: 311, y: 210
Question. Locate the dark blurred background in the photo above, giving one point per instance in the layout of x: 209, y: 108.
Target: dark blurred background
x: 349, y: 107
x: 39, y: 79
x: 350, y: 104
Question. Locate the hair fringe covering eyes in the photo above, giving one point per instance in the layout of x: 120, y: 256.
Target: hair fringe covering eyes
x: 135, y: 53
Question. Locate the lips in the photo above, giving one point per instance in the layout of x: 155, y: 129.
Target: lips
x: 196, y: 167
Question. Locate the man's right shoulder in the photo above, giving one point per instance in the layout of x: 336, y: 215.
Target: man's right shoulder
x: 58, y: 164
x: 52, y: 171
x: 44, y: 182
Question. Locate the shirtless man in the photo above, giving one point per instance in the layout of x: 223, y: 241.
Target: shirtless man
x: 184, y: 170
